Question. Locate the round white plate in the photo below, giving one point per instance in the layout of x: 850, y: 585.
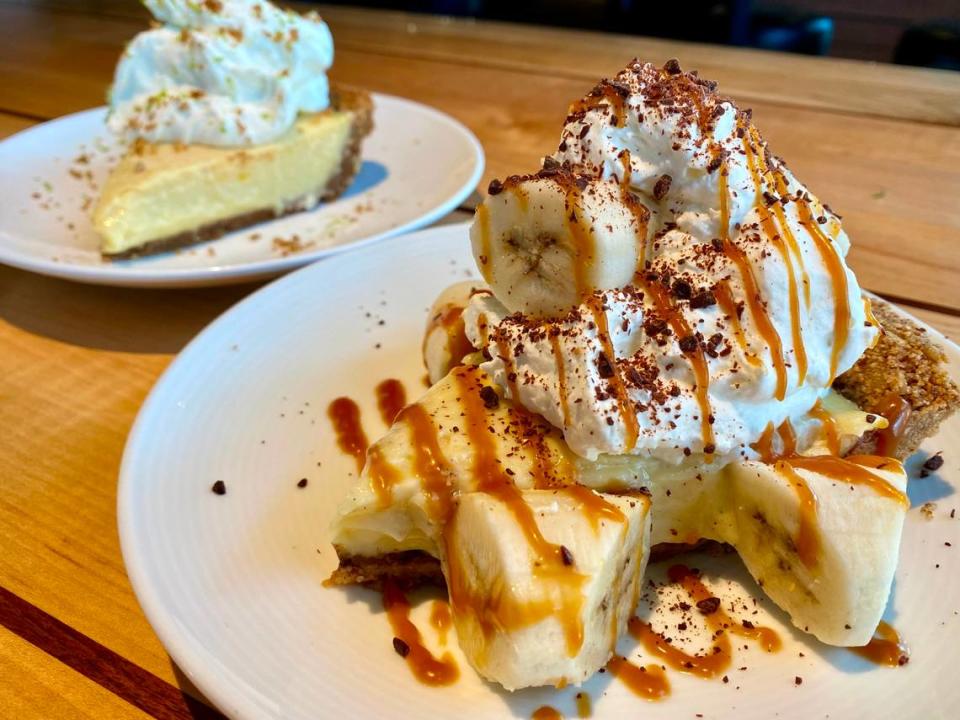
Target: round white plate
x: 232, y: 583
x: 418, y: 165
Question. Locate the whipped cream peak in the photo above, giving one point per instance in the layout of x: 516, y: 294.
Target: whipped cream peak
x: 693, y: 260
x: 221, y: 72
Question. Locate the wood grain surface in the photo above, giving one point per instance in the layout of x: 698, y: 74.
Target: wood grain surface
x: 880, y: 143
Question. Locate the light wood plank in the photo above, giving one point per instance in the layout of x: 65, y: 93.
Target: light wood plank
x: 10, y: 124
x: 36, y: 685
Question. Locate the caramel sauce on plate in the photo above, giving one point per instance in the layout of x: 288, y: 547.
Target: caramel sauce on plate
x: 441, y: 619
x: 425, y: 667
x: 545, y: 712
x: 886, y: 647
x: 391, y: 397
x: 721, y: 625
x: 584, y: 706
x: 344, y: 413
x: 649, y: 682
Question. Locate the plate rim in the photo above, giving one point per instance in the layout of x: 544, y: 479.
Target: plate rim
x: 127, y: 276
x: 177, y: 643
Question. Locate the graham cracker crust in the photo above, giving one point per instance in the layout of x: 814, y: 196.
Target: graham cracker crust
x: 358, y: 102
x: 904, y: 362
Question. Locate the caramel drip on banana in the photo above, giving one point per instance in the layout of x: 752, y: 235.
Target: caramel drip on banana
x: 885, y: 648
x: 855, y: 470
x: 649, y: 682
x: 391, y: 397
x: 730, y: 310
x: 344, y: 414
x: 698, y: 360
x: 777, y: 239
x: 838, y: 277
x: 624, y: 404
x: 489, y: 477
x: 383, y: 476
x: 751, y: 290
x: 829, y: 425
x: 897, y: 411
x: 807, y: 540
x: 721, y: 625
x: 450, y: 318
x: 429, y: 462
x: 427, y: 668
x: 584, y: 243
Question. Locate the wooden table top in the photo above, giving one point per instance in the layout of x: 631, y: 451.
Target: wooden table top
x: 881, y: 143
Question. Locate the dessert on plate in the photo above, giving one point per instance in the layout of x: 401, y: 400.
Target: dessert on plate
x: 668, y: 348
x: 231, y: 121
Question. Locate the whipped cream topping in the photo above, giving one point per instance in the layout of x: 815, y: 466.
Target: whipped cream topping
x: 221, y: 72
x: 741, y: 310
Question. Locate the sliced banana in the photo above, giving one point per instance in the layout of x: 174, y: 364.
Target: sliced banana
x: 444, y: 342
x: 545, y: 242
x: 525, y: 620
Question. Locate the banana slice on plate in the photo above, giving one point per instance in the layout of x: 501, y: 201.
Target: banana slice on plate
x: 542, y: 583
x: 545, y: 242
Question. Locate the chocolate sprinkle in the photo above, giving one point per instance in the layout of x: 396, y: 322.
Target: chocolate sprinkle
x: 401, y: 647
x: 566, y: 555
x: 219, y: 487
x: 489, y: 397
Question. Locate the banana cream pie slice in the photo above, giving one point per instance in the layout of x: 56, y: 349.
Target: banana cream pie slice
x: 650, y: 363
x: 231, y: 122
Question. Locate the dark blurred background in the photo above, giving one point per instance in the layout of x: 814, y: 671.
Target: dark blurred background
x: 908, y: 32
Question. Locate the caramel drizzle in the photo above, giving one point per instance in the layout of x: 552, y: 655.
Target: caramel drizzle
x: 344, y: 414
x: 721, y: 625
x: 491, y: 479
x: 450, y: 318
x: 561, y: 376
x: 855, y: 470
x: 383, y: 476
x: 885, y: 648
x: 584, y: 706
x: 897, y: 411
x: 509, y: 367
x: 752, y: 291
x: 777, y: 238
x: 698, y: 360
x: 788, y: 235
x: 595, y: 507
x: 584, y: 243
x: 391, y: 397
x: 429, y: 463
x: 841, y: 302
x: 729, y: 307
x: 545, y: 712
x: 624, y: 159
x: 649, y: 682
x: 482, y: 219
x: 422, y: 663
x: 808, y: 534
x: 624, y: 405
x: 523, y: 200
x: 603, y: 92
x: 829, y: 425
x: 441, y: 619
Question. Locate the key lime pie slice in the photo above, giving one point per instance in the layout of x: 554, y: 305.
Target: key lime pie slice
x: 650, y: 363
x: 231, y: 122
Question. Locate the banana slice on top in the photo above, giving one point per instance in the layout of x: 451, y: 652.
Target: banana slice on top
x: 544, y: 242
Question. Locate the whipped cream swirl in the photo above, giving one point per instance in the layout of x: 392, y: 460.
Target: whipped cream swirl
x: 740, y: 310
x: 221, y: 72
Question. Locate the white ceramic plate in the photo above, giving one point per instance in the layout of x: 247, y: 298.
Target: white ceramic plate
x: 232, y: 584
x: 418, y: 165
